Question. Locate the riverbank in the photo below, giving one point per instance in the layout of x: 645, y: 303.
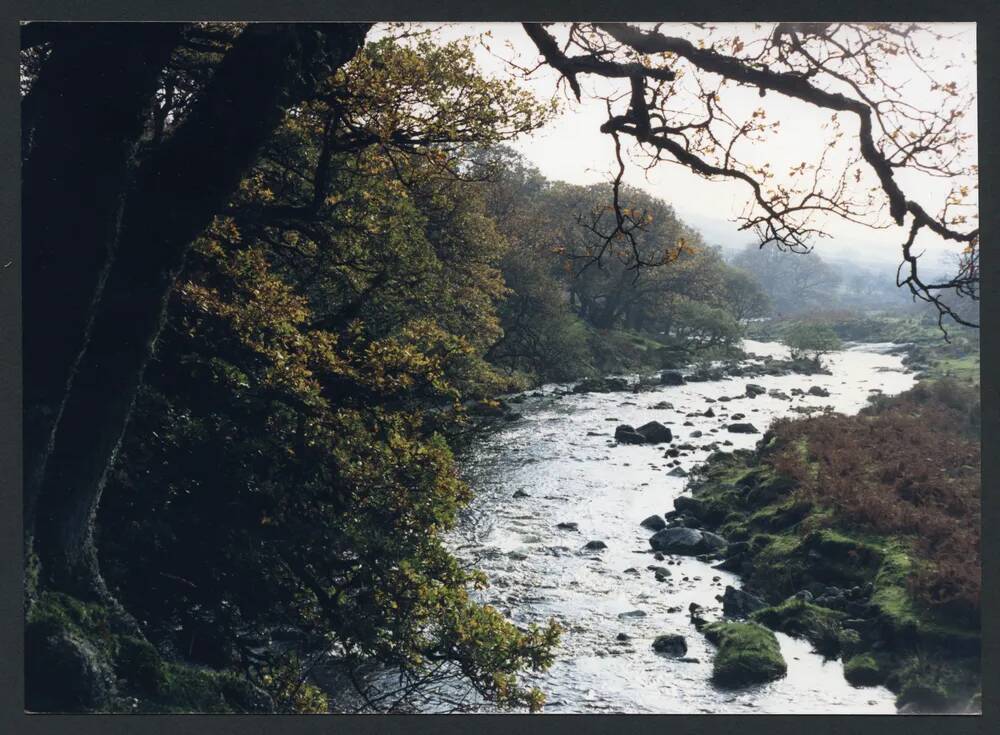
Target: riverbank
x: 862, y: 535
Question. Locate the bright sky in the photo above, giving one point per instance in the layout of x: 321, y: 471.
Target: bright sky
x: 572, y: 148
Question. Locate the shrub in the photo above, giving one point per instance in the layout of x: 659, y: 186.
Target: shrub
x: 810, y: 341
x: 906, y: 466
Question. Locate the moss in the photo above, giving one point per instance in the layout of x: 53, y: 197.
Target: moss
x: 139, y: 664
x: 778, y: 567
x: 73, y: 657
x: 798, y: 617
x: 863, y: 670
x: 781, y: 516
x: 748, y: 654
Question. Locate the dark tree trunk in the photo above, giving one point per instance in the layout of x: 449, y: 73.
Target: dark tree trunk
x: 176, y: 193
x: 81, y: 124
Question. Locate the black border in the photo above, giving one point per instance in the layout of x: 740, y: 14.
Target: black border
x: 12, y: 718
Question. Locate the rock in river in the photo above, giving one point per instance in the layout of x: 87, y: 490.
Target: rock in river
x: 595, y: 545
x: 817, y: 391
x: 686, y: 541
x: 748, y: 654
x: 626, y: 434
x: 753, y: 390
x: 672, y: 644
x: 655, y: 432
x: 742, y: 429
x: 653, y: 523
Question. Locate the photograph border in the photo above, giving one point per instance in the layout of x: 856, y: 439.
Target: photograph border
x: 12, y: 717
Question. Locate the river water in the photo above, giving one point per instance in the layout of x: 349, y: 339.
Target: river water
x: 538, y: 571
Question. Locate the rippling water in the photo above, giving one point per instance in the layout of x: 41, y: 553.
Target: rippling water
x: 538, y: 571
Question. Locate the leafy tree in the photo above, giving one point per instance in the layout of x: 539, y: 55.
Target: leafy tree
x: 810, y: 340
x: 292, y: 440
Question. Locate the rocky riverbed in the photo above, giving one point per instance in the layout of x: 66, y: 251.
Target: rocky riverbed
x: 557, y: 525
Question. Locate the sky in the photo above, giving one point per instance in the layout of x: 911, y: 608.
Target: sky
x: 572, y: 148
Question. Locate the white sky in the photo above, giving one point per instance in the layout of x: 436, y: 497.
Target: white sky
x: 572, y: 148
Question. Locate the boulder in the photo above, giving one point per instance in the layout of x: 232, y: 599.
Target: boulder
x: 709, y: 413
x: 568, y: 526
x: 678, y: 472
x: 713, y: 541
x: 653, y: 523
x: 748, y: 654
x: 625, y: 434
x: 663, y: 406
x: 753, y: 390
x: 780, y: 395
x: 595, y: 545
x: 686, y: 541
x: 520, y: 494
x: 817, y: 391
x: 671, y: 644
x: 745, y: 428
x: 739, y: 604
x: 655, y: 432
x: 671, y: 377
x: 691, y: 506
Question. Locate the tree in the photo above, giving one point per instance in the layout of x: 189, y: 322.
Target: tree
x: 794, y: 283
x: 744, y: 298
x: 171, y: 196
x: 290, y: 442
x: 677, y: 111
x: 810, y: 341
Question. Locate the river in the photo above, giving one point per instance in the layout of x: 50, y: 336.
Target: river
x: 538, y: 571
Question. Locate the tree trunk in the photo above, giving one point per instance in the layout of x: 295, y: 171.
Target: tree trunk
x: 81, y: 124
x: 176, y: 193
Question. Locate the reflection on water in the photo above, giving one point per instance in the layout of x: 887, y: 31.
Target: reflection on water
x: 560, y: 454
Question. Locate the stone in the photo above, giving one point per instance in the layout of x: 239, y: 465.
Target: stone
x: 595, y: 545
x: 679, y: 540
x: 671, y: 644
x: 748, y: 654
x: 694, y: 507
x: 818, y: 391
x: 625, y: 434
x: 568, y: 526
x: 655, y: 432
x: 653, y: 523
x: 678, y: 472
x: 739, y: 604
x: 521, y: 494
x: 744, y: 428
x: 753, y: 390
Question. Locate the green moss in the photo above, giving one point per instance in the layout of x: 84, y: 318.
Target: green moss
x: 778, y: 566
x: 139, y: 664
x: 798, y: 617
x: 863, y: 670
x: 781, y: 516
x: 748, y: 654
x: 73, y: 649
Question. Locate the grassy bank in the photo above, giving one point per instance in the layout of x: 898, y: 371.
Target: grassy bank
x: 863, y: 534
